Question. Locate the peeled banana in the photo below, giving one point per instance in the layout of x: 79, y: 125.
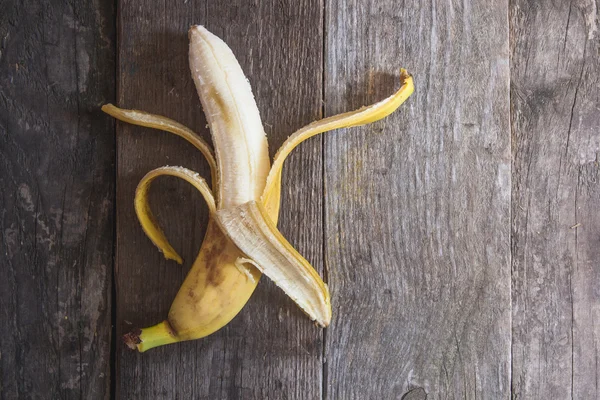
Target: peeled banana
x: 242, y: 240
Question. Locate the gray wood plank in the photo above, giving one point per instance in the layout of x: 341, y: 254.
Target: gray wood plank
x: 418, y: 205
x: 56, y: 199
x: 556, y: 198
x: 271, y: 350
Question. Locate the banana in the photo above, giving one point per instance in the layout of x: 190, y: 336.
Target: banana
x: 242, y: 240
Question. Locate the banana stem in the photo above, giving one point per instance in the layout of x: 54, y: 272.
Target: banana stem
x: 148, y: 338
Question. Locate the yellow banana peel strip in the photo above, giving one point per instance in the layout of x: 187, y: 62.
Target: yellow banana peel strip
x: 358, y: 117
x: 142, y: 118
x: 250, y: 228
x: 145, y: 215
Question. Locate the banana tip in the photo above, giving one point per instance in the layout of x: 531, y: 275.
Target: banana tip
x: 196, y: 29
x: 132, y: 339
x: 404, y: 75
x: 107, y: 108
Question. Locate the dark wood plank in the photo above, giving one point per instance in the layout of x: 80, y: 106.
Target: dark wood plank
x: 556, y: 198
x: 56, y: 201
x: 418, y: 205
x: 270, y: 350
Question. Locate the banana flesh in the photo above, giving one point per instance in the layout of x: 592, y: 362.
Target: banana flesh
x: 241, y: 239
x: 238, y: 135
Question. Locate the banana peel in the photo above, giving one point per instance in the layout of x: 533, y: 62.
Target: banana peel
x: 242, y: 240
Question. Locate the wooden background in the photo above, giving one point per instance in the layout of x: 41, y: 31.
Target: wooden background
x: 460, y: 237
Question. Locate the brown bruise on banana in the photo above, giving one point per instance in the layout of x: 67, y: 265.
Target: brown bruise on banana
x: 214, y: 290
x: 223, y: 278
x: 213, y: 259
x: 218, y: 100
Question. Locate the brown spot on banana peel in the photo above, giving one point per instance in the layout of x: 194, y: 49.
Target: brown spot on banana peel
x: 170, y: 329
x: 192, y: 294
x: 212, y: 256
x: 213, y: 259
x: 214, y: 291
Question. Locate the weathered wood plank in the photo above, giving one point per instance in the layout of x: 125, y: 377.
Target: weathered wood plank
x: 556, y: 198
x: 418, y: 205
x: 56, y: 199
x: 270, y: 350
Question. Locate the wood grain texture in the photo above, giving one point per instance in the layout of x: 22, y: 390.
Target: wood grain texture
x: 555, y: 199
x: 270, y: 350
x: 418, y: 218
x: 56, y: 199
x: 418, y: 205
